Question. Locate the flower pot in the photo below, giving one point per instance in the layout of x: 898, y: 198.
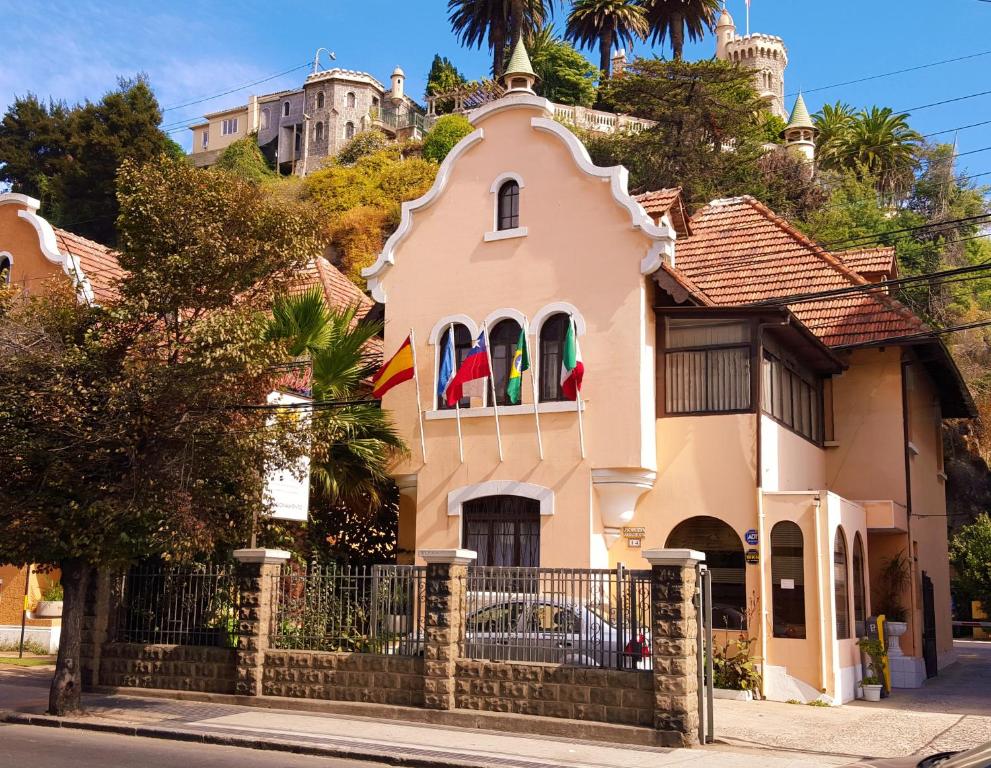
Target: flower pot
x: 871, y: 692
x: 48, y: 609
x: 895, y: 630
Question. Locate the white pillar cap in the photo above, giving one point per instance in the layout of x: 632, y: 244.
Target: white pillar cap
x: 674, y: 556
x: 261, y: 555
x: 452, y: 556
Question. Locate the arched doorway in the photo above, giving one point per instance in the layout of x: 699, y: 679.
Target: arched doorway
x: 503, y: 530
x: 726, y: 562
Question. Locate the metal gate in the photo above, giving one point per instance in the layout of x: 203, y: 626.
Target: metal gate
x: 703, y: 605
x: 929, y: 627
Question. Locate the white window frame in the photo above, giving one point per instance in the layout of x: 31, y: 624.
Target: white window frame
x: 544, y: 314
x: 436, y: 335
x: 9, y: 258
x: 205, y: 141
x: 228, y: 126
x: 504, y: 234
x: 539, y: 493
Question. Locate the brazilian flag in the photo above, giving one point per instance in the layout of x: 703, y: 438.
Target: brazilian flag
x: 521, y: 362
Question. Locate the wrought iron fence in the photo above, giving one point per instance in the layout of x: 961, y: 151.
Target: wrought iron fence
x: 367, y: 610
x: 193, y: 605
x: 586, y: 617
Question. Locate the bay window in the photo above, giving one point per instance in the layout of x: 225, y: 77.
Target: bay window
x: 707, y: 366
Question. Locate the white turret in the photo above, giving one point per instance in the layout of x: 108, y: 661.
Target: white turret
x: 398, y: 78
x: 800, y: 133
x: 725, y: 32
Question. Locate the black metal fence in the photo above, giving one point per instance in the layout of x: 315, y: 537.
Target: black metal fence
x: 586, y: 617
x: 192, y: 605
x: 377, y: 609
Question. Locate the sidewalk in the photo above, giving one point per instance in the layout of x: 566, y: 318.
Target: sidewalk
x: 369, y: 738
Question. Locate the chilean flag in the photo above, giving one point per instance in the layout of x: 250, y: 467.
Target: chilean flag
x: 475, y: 368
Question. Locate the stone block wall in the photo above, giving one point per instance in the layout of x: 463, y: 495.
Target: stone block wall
x: 172, y: 667
x: 366, y: 677
x: 618, y: 696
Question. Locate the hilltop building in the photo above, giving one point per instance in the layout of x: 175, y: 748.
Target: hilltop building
x: 766, y: 55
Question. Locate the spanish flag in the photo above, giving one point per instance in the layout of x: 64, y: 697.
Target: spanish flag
x: 398, y: 369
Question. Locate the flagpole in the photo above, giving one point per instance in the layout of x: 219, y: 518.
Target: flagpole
x: 748, y: 18
x: 457, y: 403
x: 533, y: 383
x: 419, y: 407
x: 578, y: 394
x: 495, y: 404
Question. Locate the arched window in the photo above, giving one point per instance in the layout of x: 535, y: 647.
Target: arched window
x: 462, y: 345
x: 318, y: 132
x: 725, y: 559
x: 265, y: 118
x: 503, y: 338
x: 552, y: 335
x: 859, y: 589
x: 841, y: 594
x: 508, y: 215
x: 788, y: 580
x: 5, y: 270
x: 320, y: 100
x: 352, y: 99
x: 503, y: 530
x: 285, y: 109
x: 348, y: 130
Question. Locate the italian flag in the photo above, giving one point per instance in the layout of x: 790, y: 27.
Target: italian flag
x: 572, y: 367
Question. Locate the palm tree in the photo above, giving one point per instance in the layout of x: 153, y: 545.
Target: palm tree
x: 833, y: 122
x: 354, y: 442
x: 497, y: 23
x: 606, y: 23
x: 673, y: 19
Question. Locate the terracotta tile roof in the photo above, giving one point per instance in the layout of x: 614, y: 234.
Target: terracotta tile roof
x: 741, y: 252
x: 99, y: 263
x: 661, y: 201
x: 872, y: 261
x: 337, y: 289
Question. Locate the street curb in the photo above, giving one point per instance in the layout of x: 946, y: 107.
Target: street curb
x: 274, y: 745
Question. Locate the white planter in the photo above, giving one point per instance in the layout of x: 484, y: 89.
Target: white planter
x: 895, y: 630
x: 726, y: 693
x: 871, y: 692
x: 48, y: 609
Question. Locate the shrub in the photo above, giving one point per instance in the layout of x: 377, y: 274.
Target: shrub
x: 737, y: 671
x: 53, y: 592
x: 244, y: 158
x: 447, y: 131
x: 363, y: 144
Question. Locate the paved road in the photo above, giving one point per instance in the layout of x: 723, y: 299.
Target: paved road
x: 28, y: 745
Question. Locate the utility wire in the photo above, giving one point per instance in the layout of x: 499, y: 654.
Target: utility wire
x: 944, y: 101
x: 235, y: 90
x: 921, y: 334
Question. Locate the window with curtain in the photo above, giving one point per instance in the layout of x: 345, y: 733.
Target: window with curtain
x: 552, y: 336
x: 792, y: 396
x: 859, y: 588
x: 841, y: 593
x: 503, y: 337
x: 706, y: 366
x: 725, y: 559
x: 503, y: 530
x: 508, y: 215
x: 788, y: 580
x: 462, y: 346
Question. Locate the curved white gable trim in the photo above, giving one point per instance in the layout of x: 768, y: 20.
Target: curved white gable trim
x: 8, y: 198
x: 664, y: 236
x: 504, y: 313
x: 49, y: 249
x: 375, y: 274
x: 457, y: 497
x: 552, y: 309
x: 502, y: 178
x: 441, y: 327
x: 511, y: 101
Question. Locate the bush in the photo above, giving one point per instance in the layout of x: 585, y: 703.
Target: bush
x: 736, y: 672
x: 363, y: 144
x: 53, y: 592
x: 244, y: 158
x: 447, y: 131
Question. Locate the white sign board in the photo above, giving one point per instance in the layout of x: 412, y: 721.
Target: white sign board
x: 787, y: 583
x: 287, y: 490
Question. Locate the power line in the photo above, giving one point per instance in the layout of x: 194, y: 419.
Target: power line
x: 944, y: 101
x: 235, y: 90
x: 921, y: 334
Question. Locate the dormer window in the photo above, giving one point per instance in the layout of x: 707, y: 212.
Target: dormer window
x: 508, y: 216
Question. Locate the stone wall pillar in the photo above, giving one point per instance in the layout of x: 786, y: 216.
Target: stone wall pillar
x: 256, y: 571
x: 675, y: 639
x: 443, y: 640
x: 97, y: 615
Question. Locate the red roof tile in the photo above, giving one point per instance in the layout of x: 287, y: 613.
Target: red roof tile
x: 98, y: 263
x: 872, y: 261
x: 661, y: 201
x: 741, y: 252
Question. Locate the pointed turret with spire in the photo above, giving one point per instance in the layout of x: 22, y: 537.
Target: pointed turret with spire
x: 519, y: 74
x: 800, y: 133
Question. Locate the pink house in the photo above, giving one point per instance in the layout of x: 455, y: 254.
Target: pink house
x: 794, y: 439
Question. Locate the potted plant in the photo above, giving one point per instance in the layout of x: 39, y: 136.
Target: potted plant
x: 871, y: 686
x: 871, y: 683
x: 50, y: 605
x: 892, y: 582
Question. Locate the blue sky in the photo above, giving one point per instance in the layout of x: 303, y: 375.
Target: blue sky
x: 75, y: 50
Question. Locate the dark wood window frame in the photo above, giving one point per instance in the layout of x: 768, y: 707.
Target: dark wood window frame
x: 480, y: 518
x: 508, y: 206
x: 462, y: 346
x: 771, y: 355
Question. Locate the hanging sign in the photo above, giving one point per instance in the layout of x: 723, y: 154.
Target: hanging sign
x: 751, y: 537
x: 287, y: 490
x: 753, y: 557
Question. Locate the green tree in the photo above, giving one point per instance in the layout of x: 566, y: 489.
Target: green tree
x: 445, y: 133
x: 497, y: 24
x: 122, y: 429
x: 833, y: 122
x: 671, y: 20
x: 34, y: 145
x: 606, y: 24
x: 970, y: 556
x: 244, y: 158
x: 443, y: 78
x: 564, y: 75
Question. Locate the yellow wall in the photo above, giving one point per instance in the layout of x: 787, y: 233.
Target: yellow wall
x: 789, y: 462
x: 12, y: 593
x: 215, y: 127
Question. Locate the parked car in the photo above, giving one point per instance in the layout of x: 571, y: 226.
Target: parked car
x: 978, y: 757
x: 529, y: 627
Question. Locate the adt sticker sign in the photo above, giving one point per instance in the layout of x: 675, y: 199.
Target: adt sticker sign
x: 287, y: 490
x: 751, y: 537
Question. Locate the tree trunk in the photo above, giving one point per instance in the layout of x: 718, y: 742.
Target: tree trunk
x: 516, y: 19
x: 605, y: 54
x: 65, y: 695
x: 497, y: 35
x: 677, y: 35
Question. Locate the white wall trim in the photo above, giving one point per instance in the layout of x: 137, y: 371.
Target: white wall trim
x: 504, y: 313
x: 375, y: 274
x: 524, y: 409
x: 511, y: 101
x: 539, y: 493
x: 505, y: 234
x: 662, y: 249
x: 552, y: 309
x: 441, y: 327
x: 48, y: 245
x: 16, y: 198
x: 504, y: 177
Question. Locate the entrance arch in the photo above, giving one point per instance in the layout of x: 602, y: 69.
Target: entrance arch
x: 726, y: 562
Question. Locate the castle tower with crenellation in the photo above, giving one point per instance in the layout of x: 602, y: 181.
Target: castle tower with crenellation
x: 766, y: 55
